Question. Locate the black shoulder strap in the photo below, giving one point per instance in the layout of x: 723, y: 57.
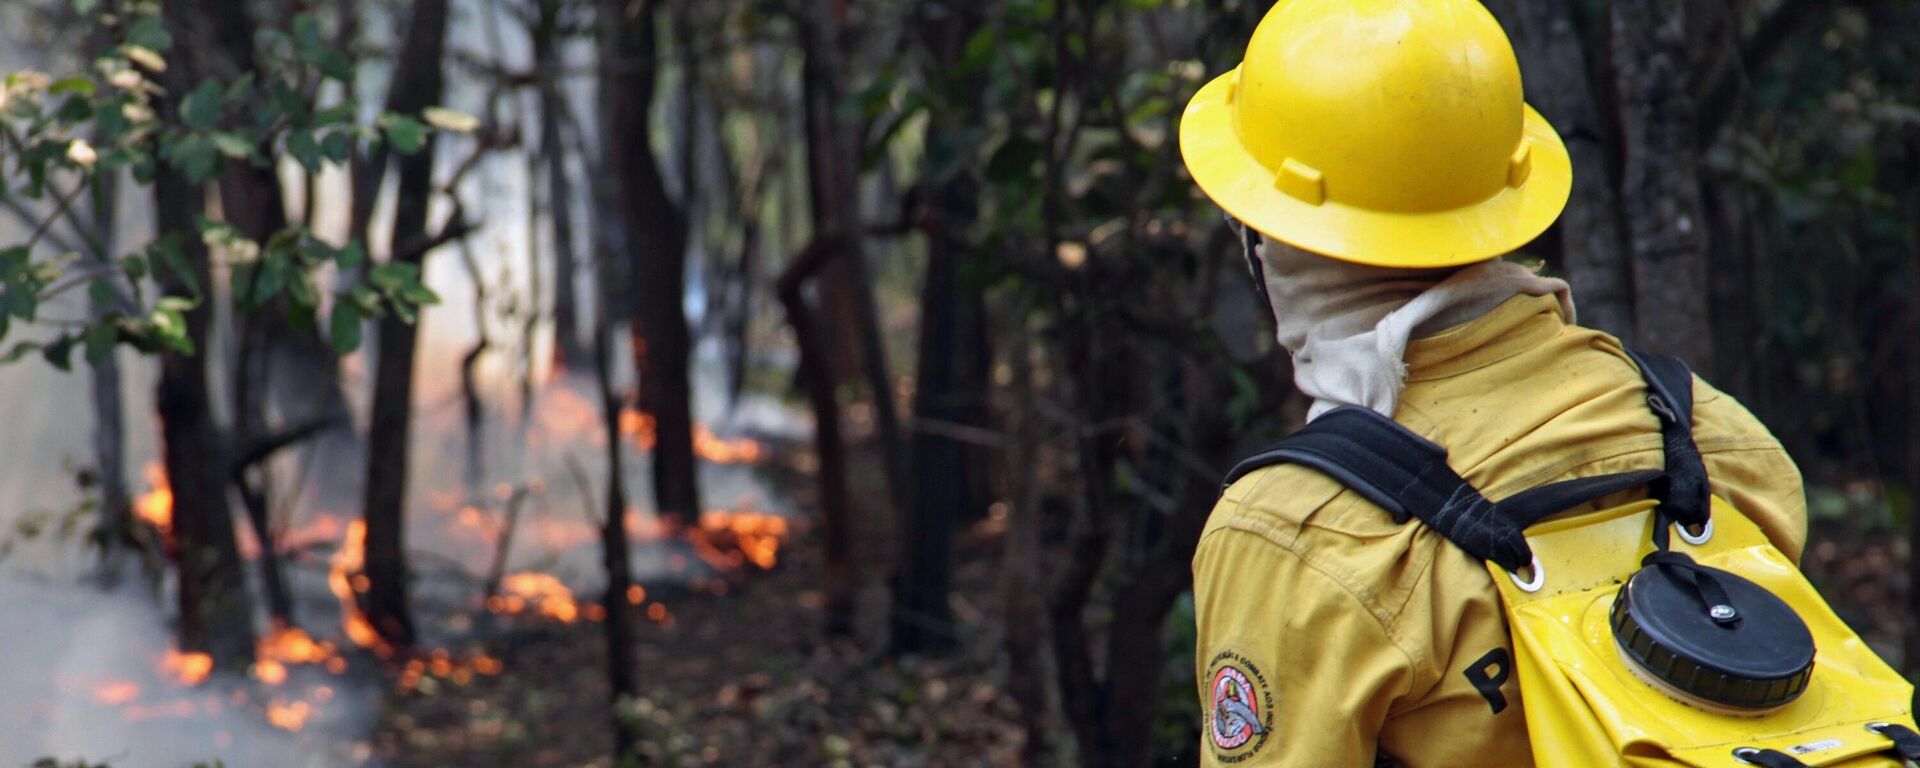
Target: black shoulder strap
x: 1683, y: 494
x: 1408, y: 476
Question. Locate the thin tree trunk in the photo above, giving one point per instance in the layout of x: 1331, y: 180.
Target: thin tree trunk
x: 656, y: 251
x: 1029, y: 667
x: 816, y: 374
x: 621, y: 671
x: 832, y: 176
x: 109, y: 414
x: 1592, y: 246
x: 1660, y: 192
x: 546, y: 55
x: 418, y: 83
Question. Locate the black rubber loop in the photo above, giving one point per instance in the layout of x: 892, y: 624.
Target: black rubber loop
x: 1714, y: 601
x: 1906, y: 743
x: 1767, y: 758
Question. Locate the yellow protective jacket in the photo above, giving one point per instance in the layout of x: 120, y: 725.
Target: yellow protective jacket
x: 1327, y: 631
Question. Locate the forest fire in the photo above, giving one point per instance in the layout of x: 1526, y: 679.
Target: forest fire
x: 188, y: 668
x: 346, y: 582
x: 640, y: 428
x: 536, y: 592
x: 156, y: 505
x: 726, y: 537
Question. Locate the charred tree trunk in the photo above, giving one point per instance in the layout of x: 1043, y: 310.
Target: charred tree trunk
x: 109, y: 414
x: 1559, y: 84
x: 1660, y: 192
x: 1029, y: 657
x: 621, y: 671
x: 832, y: 178
x: 944, y: 490
x: 656, y: 247
x: 215, y: 617
x: 418, y: 83
x: 548, y: 61
x: 817, y: 376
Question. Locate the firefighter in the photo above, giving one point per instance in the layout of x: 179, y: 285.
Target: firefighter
x: 1381, y: 159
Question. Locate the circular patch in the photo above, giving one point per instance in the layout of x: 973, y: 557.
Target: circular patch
x: 1241, y: 713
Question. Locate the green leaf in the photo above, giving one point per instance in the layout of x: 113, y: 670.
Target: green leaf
x: 335, y: 115
x: 233, y: 145
x: 334, y: 64
x: 103, y: 293
x: 18, y: 351
x: 23, y: 303
x: 345, y: 327
x: 100, y: 340
x: 337, y: 146
x: 59, y: 353
x: 195, y: 156
x: 201, y: 109
x: 306, y: 31
x: 351, y: 256
x: 240, y: 89
x: 405, y: 133
x: 149, y: 32
x: 301, y: 145
x: 416, y: 293
x: 394, y: 275
x: 79, y: 85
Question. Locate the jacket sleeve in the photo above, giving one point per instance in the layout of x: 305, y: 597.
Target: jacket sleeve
x: 1293, y: 669
x: 1747, y: 466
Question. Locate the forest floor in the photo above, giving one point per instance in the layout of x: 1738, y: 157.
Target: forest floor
x: 747, y: 678
x: 744, y: 678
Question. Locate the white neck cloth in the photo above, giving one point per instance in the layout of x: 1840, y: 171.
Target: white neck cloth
x: 1347, y: 325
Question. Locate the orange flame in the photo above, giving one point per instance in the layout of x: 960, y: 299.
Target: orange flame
x: 754, y: 536
x: 641, y: 429
x: 115, y: 692
x: 539, y: 591
x: 156, y: 505
x: 188, y: 668
x: 289, y: 716
x: 342, y: 574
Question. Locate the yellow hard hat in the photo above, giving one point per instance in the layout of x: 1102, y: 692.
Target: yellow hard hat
x: 1383, y: 132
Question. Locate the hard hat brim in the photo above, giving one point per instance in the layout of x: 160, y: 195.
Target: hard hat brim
x: 1245, y: 188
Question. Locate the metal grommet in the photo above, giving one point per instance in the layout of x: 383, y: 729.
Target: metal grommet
x: 1705, y: 535
x: 1534, y: 584
x: 1741, y: 754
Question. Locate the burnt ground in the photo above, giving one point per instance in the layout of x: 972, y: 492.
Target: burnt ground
x: 744, y: 678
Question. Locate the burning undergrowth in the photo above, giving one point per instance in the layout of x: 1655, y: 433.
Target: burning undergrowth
x: 489, y: 566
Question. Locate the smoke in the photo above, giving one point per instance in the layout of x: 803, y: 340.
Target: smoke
x: 82, y: 677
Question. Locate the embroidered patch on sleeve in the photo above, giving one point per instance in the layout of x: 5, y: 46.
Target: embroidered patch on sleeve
x: 1240, y: 715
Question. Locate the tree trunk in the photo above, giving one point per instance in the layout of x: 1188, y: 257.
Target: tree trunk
x: 656, y: 247
x: 1593, y: 250
x: 1660, y: 193
x: 215, y: 616
x: 621, y: 673
x: 832, y: 179
x: 109, y: 414
x: 1029, y: 657
x: 548, y: 61
x: 418, y: 83
x: 817, y: 376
